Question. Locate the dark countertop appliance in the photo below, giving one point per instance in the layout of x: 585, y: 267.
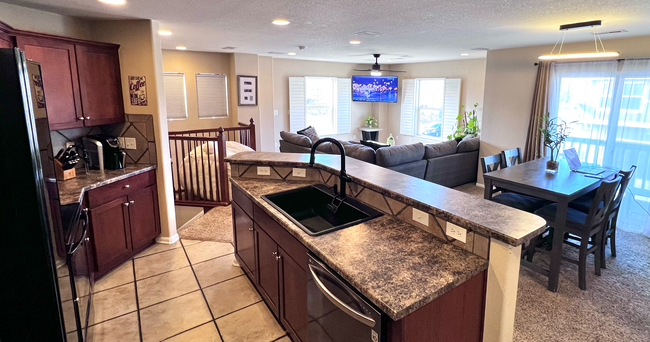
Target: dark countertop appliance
x: 104, y: 152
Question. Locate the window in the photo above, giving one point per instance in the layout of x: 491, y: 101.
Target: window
x: 212, y: 95
x: 429, y: 107
x: 175, y: 96
x: 321, y: 102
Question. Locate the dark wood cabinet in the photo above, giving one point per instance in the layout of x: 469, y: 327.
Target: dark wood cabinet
x: 293, y: 297
x: 143, y: 217
x: 268, y: 269
x: 110, y: 234
x: 60, y: 79
x: 6, y: 41
x: 99, y: 80
x: 244, y: 240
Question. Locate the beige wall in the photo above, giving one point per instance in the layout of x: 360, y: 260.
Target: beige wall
x: 28, y: 19
x: 247, y: 64
x: 192, y: 63
x: 265, y: 96
x: 285, y: 68
x: 470, y: 71
x: 509, y: 85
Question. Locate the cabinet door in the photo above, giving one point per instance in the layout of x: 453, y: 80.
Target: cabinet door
x: 244, y: 240
x: 6, y: 41
x: 110, y: 234
x: 143, y: 217
x: 268, y: 269
x: 293, y: 297
x: 60, y: 81
x: 101, y: 88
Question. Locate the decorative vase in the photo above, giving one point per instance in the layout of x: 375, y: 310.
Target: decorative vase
x: 552, y: 166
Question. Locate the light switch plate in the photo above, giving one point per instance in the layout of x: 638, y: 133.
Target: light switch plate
x: 457, y: 232
x: 129, y: 143
x: 421, y: 217
x: 276, y: 112
x: 297, y: 172
x: 263, y: 171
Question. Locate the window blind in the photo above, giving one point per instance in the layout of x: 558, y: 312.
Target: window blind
x: 407, y: 119
x: 175, y: 95
x: 451, y: 106
x: 212, y: 95
x: 344, y: 104
x: 296, y: 103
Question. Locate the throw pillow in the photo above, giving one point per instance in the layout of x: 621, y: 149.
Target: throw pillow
x: 295, y: 139
x: 400, y: 154
x: 311, y: 133
x: 469, y: 144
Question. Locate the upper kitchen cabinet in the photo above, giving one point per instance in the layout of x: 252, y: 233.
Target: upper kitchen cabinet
x: 6, y: 40
x: 60, y: 80
x: 99, y: 80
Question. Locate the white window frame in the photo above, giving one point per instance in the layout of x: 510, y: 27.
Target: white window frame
x: 198, y: 94
x: 418, y: 109
x: 178, y: 74
x: 333, y: 100
x: 341, y: 103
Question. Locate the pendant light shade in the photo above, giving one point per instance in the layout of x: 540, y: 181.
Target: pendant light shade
x: 582, y: 55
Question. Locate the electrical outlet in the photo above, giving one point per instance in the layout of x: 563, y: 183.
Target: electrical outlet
x: 299, y: 172
x: 421, y: 217
x: 276, y: 112
x: 120, y: 140
x: 263, y: 171
x: 457, y: 232
x: 129, y: 143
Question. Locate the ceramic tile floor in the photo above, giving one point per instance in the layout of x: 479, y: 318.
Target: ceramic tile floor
x: 188, y: 291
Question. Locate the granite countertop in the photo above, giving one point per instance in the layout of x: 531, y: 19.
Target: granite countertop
x: 398, y: 267
x: 503, y: 223
x: 72, y: 190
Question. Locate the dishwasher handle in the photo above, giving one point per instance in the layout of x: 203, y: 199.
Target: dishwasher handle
x: 339, y: 303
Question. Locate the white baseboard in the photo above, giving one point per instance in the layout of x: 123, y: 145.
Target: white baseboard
x: 480, y: 185
x: 168, y: 240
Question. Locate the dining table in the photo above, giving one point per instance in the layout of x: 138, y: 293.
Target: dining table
x: 532, y: 179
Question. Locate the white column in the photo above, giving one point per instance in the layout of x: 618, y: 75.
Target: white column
x: 502, y: 283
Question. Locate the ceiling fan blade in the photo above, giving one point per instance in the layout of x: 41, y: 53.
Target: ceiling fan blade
x: 392, y: 70
x: 362, y: 69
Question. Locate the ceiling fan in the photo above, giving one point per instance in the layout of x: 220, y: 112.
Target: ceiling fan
x: 376, y: 68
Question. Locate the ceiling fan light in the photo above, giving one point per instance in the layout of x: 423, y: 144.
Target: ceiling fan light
x: 375, y: 73
x: 580, y: 55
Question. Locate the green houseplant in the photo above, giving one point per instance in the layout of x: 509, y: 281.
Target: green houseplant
x: 554, y: 134
x: 467, y: 124
x: 370, y: 121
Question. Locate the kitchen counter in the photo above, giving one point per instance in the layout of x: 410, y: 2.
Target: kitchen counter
x: 397, y: 266
x: 508, y: 225
x: 72, y: 190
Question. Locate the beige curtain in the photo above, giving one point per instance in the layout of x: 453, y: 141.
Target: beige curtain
x: 534, y: 146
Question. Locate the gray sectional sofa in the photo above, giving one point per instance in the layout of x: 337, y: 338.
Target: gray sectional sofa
x: 449, y: 163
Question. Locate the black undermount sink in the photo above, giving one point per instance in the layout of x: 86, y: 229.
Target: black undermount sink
x: 314, y: 209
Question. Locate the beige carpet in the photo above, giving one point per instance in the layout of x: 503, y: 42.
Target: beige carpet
x: 214, y: 225
x: 615, y: 306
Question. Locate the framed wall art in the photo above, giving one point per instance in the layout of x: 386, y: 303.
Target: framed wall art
x: 247, y: 90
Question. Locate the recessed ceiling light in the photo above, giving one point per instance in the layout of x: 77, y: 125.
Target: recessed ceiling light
x: 181, y: 48
x: 113, y: 2
x: 355, y: 42
x: 464, y: 54
x: 291, y: 54
x: 389, y: 60
x: 165, y: 33
x: 281, y: 22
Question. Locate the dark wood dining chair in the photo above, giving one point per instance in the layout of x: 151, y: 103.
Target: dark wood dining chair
x: 511, y: 199
x: 583, y: 204
x: 510, y: 157
x: 588, y: 227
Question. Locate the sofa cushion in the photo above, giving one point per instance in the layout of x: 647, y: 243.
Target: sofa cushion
x: 469, y: 144
x: 395, y: 155
x: 440, y: 149
x: 310, y: 132
x: 296, y: 139
x: 414, y: 169
x: 360, y: 152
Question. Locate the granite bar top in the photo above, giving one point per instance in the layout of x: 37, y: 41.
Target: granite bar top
x: 72, y: 190
x: 500, y: 222
x: 398, y: 267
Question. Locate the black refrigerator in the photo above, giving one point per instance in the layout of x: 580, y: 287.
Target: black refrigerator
x: 47, y: 270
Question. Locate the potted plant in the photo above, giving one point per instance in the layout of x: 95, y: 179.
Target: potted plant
x: 370, y: 121
x: 467, y: 124
x: 554, y: 133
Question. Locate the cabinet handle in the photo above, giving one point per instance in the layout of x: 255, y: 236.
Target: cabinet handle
x: 81, y: 118
x: 251, y: 229
x: 87, y: 117
x: 275, y: 253
x: 126, y: 204
x: 278, y: 257
x: 131, y: 202
x: 127, y: 186
x: 85, y: 210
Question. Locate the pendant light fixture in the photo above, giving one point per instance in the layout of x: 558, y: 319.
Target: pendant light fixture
x: 596, y: 54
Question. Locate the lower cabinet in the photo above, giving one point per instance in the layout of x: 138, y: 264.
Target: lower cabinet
x: 293, y: 296
x: 123, y: 223
x: 268, y: 271
x: 244, y: 237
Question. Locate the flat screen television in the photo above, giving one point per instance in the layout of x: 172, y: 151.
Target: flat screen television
x: 374, y: 88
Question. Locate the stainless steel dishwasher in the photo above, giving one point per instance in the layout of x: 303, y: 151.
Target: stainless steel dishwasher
x: 337, y: 312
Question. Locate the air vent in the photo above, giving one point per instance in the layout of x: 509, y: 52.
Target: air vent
x: 480, y: 49
x: 609, y: 32
x: 228, y: 47
x: 368, y: 33
x: 275, y: 53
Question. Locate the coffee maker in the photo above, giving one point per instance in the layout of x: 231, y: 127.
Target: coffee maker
x: 104, y: 152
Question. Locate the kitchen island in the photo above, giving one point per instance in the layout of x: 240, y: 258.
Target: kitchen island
x: 407, y: 268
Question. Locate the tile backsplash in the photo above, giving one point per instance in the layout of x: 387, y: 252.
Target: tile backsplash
x: 137, y: 126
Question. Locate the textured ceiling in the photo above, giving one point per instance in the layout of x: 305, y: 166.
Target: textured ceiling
x: 408, y: 30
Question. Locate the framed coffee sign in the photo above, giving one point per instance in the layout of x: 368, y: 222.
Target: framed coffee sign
x: 138, y: 90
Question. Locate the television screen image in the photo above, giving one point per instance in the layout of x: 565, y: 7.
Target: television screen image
x: 374, y: 88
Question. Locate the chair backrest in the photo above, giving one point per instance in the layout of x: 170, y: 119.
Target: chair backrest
x: 490, y: 163
x: 625, y: 180
x: 600, y: 206
x: 510, y: 157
